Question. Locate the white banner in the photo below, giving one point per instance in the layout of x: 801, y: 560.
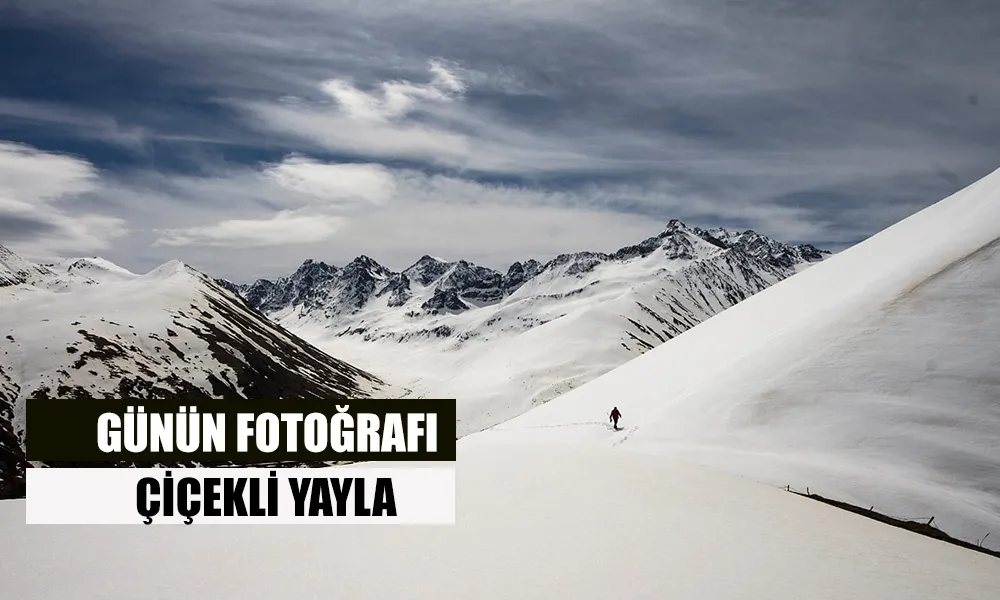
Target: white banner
x: 239, y: 496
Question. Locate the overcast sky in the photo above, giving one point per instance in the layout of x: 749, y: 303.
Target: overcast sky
x: 244, y: 136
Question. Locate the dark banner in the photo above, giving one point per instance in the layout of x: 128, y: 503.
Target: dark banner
x: 242, y: 432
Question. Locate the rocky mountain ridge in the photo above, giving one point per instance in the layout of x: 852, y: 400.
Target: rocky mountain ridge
x: 460, y: 286
x: 171, y: 333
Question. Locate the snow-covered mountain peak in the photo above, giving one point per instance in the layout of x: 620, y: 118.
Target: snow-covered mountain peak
x: 15, y: 270
x: 93, y: 267
x: 173, y: 332
x: 674, y: 225
x: 478, y: 284
x: 168, y: 269
x: 313, y: 269
x: 18, y: 271
x: 763, y: 247
x: 674, y: 243
x: 366, y: 264
x: 427, y: 270
x: 519, y: 272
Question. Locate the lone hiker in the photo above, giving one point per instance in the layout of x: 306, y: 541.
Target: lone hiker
x: 615, y: 415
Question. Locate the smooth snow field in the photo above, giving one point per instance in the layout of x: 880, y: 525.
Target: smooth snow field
x: 533, y: 522
x: 871, y: 377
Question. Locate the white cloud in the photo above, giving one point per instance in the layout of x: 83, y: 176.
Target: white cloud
x: 36, y: 176
x: 284, y: 228
x: 373, y: 123
x: 423, y: 122
x: 398, y: 98
x: 292, y: 183
x: 37, y: 213
x: 333, y: 183
x: 317, y: 199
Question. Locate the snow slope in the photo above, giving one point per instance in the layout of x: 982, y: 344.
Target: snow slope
x: 871, y: 377
x: 171, y: 332
x: 533, y: 522
x: 502, y: 344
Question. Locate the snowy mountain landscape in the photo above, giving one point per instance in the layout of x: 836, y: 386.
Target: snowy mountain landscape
x: 868, y: 376
x: 502, y: 342
x: 715, y: 287
x: 87, y: 328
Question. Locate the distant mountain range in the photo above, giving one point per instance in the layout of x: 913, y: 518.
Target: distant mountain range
x: 501, y: 341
